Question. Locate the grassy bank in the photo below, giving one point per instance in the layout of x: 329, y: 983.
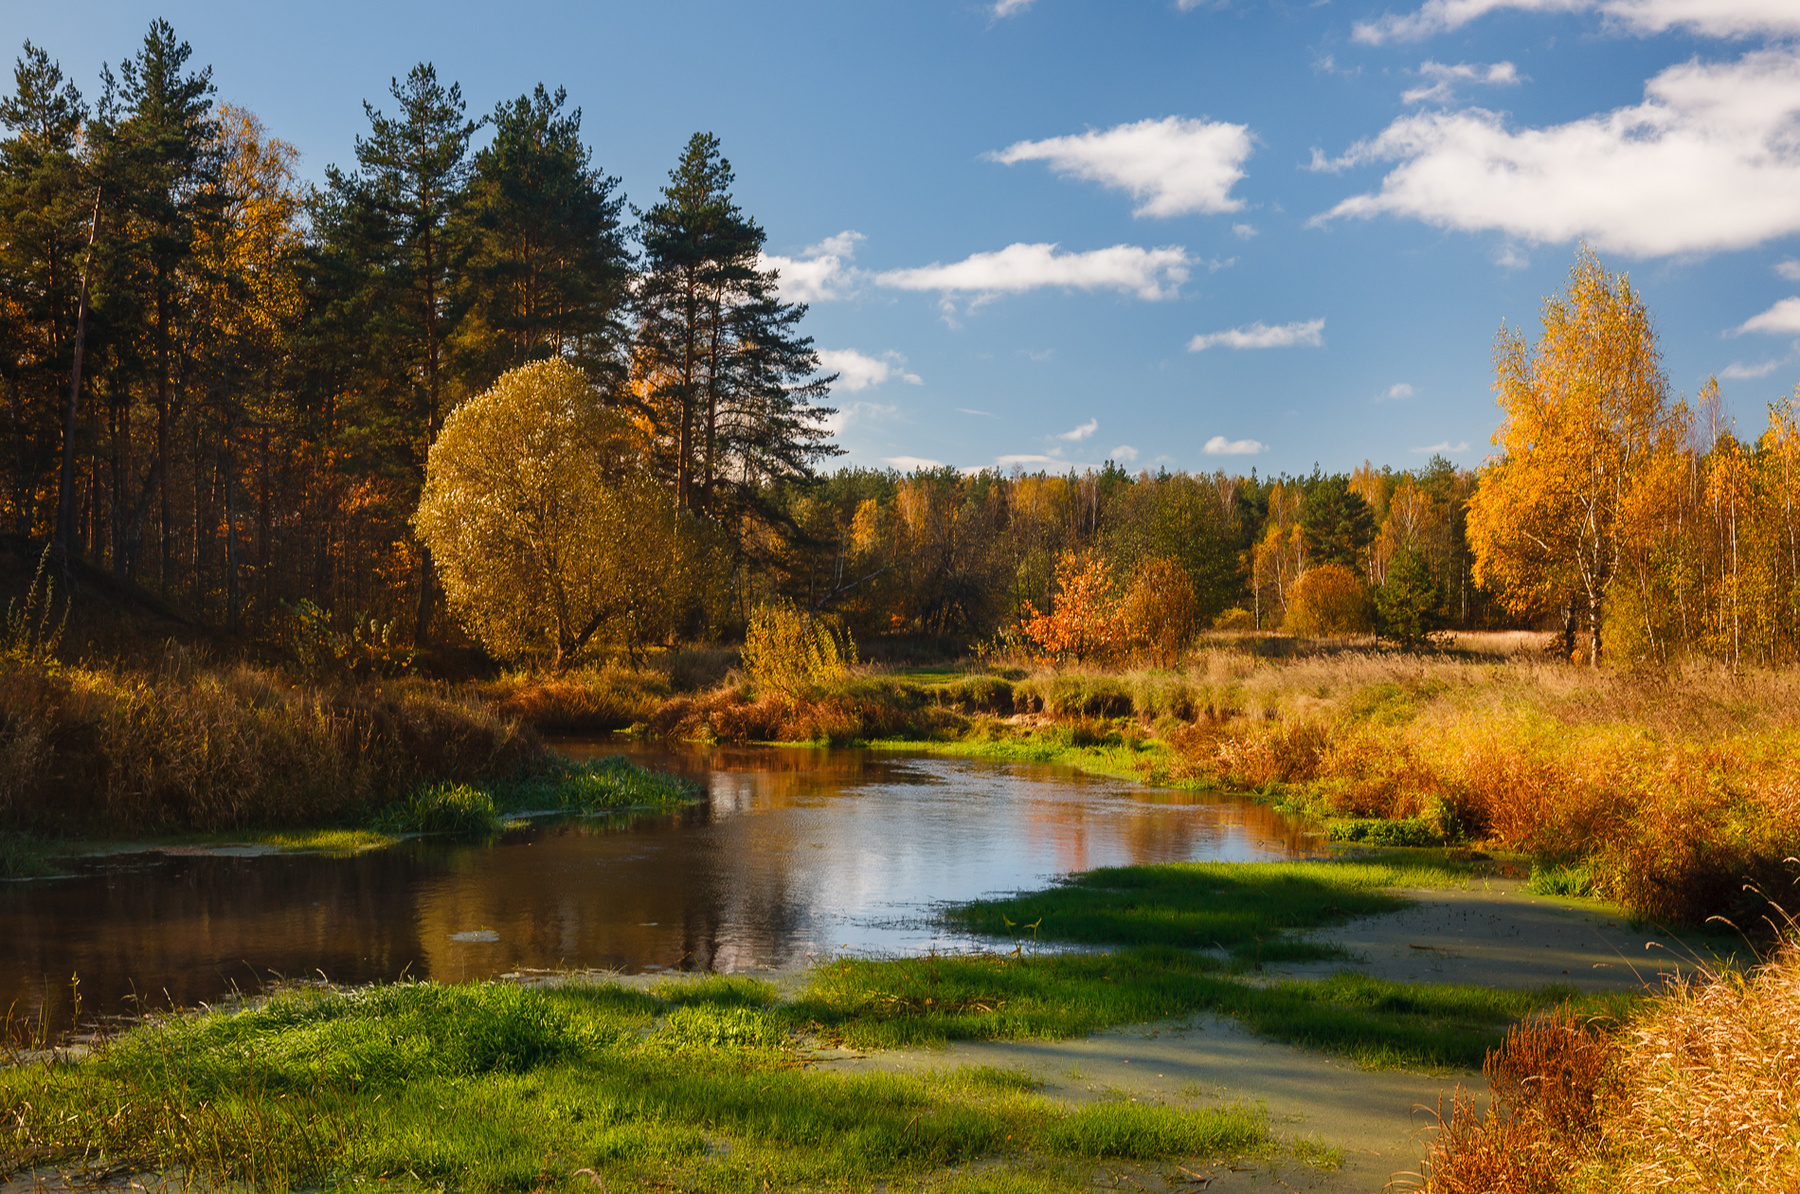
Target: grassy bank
x: 494, y: 1087
x: 182, y: 752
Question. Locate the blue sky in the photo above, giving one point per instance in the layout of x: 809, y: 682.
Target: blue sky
x: 1182, y: 233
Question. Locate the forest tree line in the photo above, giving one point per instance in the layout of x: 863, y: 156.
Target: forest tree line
x: 225, y: 385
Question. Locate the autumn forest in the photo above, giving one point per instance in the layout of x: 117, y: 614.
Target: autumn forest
x: 223, y: 386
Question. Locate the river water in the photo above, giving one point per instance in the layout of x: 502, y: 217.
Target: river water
x: 796, y: 852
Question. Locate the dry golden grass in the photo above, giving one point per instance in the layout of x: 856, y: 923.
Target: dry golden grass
x: 1700, y: 1091
x: 87, y: 750
x: 1706, y: 1091
x: 1679, y: 786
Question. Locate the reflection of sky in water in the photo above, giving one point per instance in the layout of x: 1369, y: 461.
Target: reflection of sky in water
x: 796, y: 852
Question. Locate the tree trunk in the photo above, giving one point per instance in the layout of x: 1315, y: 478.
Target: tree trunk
x: 65, y: 498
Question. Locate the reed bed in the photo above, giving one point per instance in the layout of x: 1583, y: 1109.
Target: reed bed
x: 91, y: 750
x: 1698, y: 1090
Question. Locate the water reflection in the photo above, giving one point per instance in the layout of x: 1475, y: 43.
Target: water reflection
x: 796, y: 852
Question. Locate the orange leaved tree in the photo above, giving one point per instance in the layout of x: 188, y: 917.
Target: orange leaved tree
x: 1587, y: 422
x: 1083, y: 623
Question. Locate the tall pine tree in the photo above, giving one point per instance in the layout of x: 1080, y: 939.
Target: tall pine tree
x: 720, y: 366
x: 548, y: 272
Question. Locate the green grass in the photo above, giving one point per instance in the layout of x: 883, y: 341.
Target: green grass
x: 605, y: 785
x: 1084, y: 748
x: 1383, y: 1025
x: 1249, y: 909
x: 493, y: 1087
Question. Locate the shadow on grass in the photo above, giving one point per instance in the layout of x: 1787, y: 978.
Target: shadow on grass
x: 1382, y: 1025
x: 1248, y: 909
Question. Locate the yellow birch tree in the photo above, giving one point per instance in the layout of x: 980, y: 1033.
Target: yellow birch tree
x: 1586, y: 412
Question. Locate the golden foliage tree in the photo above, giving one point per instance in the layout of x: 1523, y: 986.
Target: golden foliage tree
x: 1587, y: 419
x: 1083, y: 624
x: 1159, y: 611
x: 544, y: 523
x: 1328, y: 599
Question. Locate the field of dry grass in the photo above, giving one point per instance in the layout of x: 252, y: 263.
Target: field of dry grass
x: 1673, y: 788
x: 1698, y: 1090
x: 94, y: 750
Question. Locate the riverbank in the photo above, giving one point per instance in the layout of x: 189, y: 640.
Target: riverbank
x: 720, y: 1082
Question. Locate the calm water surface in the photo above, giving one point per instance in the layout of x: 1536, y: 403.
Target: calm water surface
x: 796, y: 852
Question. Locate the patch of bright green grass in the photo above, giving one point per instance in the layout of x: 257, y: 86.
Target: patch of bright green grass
x: 613, y: 784
x: 1381, y: 1025
x: 320, y: 841
x: 1056, y: 746
x: 1246, y: 908
x: 1567, y: 881
x: 493, y: 1087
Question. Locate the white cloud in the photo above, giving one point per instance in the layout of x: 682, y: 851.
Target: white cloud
x: 1123, y: 454
x: 1243, y: 231
x: 1789, y: 269
x: 1509, y: 257
x: 1444, y: 79
x: 820, y: 273
x: 911, y: 464
x: 859, y: 412
x: 1783, y: 319
x: 1150, y: 274
x: 859, y: 371
x: 1008, y: 8
x: 1705, y: 163
x: 1741, y: 372
x: 1174, y: 166
x: 1399, y: 391
x: 1260, y: 335
x: 1082, y: 432
x: 1028, y: 458
x: 1218, y: 445
x: 1446, y: 446
x: 1713, y: 18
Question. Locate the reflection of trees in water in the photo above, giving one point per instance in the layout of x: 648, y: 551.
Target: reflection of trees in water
x: 188, y: 929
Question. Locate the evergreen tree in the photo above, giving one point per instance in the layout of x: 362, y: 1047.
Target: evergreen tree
x: 159, y: 148
x: 548, y: 272
x: 1409, y: 604
x: 45, y: 214
x: 1336, y: 523
x: 387, y: 256
x: 720, y: 366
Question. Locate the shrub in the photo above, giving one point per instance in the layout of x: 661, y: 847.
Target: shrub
x: 788, y: 652
x: 1235, y: 618
x: 1327, y: 600
x: 1084, y: 621
x: 1159, y: 611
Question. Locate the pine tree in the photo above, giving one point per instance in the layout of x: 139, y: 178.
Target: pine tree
x: 549, y: 272
x: 720, y: 367
x: 387, y: 259
x: 158, y: 148
x: 1409, y: 603
x: 45, y: 215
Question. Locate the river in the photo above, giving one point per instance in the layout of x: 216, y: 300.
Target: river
x: 796, y: 852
